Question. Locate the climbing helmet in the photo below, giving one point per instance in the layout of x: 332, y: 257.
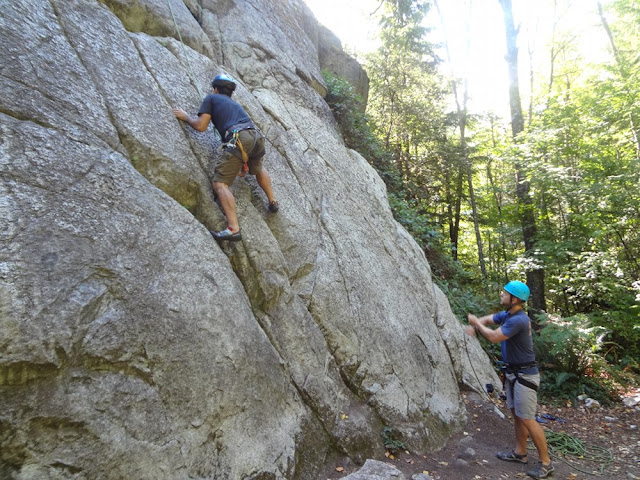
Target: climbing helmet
x: 518, y: 290
x: 224, y: 81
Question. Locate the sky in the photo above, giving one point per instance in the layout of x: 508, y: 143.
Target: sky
x: 484, y: 63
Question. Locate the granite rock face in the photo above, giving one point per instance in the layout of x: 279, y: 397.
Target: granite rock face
x: 132, y: 345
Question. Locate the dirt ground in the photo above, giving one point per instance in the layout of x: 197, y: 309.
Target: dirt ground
x: 471, y: 454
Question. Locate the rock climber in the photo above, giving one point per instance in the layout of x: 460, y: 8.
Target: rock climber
x: 522, y: 374
x: 241, y: 138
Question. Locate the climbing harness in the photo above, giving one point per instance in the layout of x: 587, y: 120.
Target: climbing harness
x: 514, y: 369
x: 245, y: 157
x: 234, y: 143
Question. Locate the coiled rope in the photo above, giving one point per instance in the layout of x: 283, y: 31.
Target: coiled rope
x: 562, y: 445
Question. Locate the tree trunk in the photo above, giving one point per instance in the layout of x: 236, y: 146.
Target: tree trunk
x: 535, y: 275
x: 553, y: 50
x: 476, y: 224
x: 456, y: 215
x: 503, y: 241
x: 449, y: 197
x: 517, y: 120
x: 462, y: 124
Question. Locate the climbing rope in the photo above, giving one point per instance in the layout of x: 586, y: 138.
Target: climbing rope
x: 184, y: 51
x: 466, y: 347
x: 562, y: 445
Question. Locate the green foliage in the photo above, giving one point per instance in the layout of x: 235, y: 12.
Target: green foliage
x: 390, y: 440
x: 569, y: 352
x: 622, y: 343
x: 557, y: 388
x: 418, y: 224
x: 347, y: 107
x: 462, y: 299
x: 569, y: 345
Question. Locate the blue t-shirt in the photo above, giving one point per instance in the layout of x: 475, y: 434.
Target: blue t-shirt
x: 518, y: 348
x: 225, y: 112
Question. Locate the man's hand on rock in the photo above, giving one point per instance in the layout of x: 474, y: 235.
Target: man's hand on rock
x: 180, y: 114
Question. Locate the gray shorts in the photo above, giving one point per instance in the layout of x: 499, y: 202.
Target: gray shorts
x: 524, y: 400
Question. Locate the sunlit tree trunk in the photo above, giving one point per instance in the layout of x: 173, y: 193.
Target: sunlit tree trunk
x: 498, y: 199
x: 535, y: 275
x: 454, y: 203
x: 531, y: 78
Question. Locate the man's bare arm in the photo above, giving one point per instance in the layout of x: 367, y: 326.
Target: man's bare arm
x: 482, y: 325
x: 199, y: 123
x: 493, y: 335
x: 486, y: 320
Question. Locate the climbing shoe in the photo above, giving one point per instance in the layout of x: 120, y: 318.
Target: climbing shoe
x: 512, y: 457
x: 227, y: 234
x: 274, y: 206
x: 541, y: 470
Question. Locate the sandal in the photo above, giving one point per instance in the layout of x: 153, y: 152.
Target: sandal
x: 512, y: 457
x: 274, y: 206
x: 541, y: 470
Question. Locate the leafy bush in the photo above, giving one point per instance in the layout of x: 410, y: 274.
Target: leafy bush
x: 569, y: 345
x: 417, y: 224
x: 622, y: 343
x: 559, y: 387
x: 569, y: 352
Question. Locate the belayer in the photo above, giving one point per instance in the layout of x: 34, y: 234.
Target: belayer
x: 522, y: 374
x: 243, y: 149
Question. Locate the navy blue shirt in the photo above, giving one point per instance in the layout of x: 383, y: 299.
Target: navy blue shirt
x: 225, y: 113
x: 518, y: 348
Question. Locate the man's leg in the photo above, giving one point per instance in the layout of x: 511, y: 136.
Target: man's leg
x: 228, y: 204
x: 522, y: 433
x: 264, y: 180
x: 539, y: 440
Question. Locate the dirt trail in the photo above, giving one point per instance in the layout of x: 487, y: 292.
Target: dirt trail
x: 470, y: 455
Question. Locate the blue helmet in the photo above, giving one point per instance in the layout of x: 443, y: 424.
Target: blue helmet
x: 224, y: 81
x: 518, y: 290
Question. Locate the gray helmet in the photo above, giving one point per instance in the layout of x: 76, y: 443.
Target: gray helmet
x: 224, y: 82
